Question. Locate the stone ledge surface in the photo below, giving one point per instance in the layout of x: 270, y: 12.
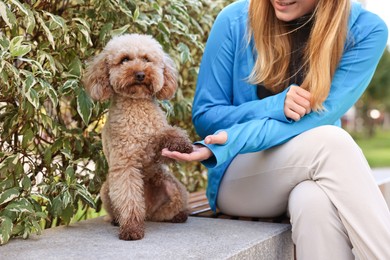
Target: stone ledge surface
x: 198, y: 238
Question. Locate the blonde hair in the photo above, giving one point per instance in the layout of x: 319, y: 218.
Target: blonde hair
x: 322, y: 54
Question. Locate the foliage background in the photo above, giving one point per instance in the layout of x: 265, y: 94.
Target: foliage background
x: 51, y: 160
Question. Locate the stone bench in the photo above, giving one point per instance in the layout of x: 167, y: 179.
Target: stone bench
x: 198, y: 238
x: 213, y: 236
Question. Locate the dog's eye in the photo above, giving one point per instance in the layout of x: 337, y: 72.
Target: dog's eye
x: 145, y: 59
x: 125, y: 59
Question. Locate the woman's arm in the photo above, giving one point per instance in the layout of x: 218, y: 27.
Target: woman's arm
x: 222, y: 66
x: 352, y: 77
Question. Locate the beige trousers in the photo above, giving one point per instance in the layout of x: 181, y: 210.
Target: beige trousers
x: 324, y: 182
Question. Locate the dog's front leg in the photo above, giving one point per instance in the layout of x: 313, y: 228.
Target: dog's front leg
x: 175, y: 139
x: 126, y: 194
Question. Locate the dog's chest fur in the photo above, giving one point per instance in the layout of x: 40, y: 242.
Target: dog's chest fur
x: 133, y: 126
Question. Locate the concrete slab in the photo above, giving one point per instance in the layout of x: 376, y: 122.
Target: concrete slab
x: 198, y: 238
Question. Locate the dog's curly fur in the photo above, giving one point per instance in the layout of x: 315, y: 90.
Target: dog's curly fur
x: 133, y: 71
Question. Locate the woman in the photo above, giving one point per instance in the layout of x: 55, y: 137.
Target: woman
x: 276, y: 77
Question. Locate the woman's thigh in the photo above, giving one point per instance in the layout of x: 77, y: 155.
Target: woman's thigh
x: 258, y: 184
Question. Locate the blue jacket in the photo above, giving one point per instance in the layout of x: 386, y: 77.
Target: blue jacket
x: 224, y: 100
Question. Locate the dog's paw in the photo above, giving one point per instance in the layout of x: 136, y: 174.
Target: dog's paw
x: 180, y: 145
x: 181, y: 217
x: 136, y: 232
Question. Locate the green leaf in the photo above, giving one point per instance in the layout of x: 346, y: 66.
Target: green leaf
x: 69, y: 173
x: 184, y: 52
x: 85, y: 195
x: 75, y: 67
x: 37, y: 227
x: 15, y: 42
x: 158, y: 8
x: 136, y: 14
x: 46, y: 57
x: 83, y: 22
x: 26, y: 183
x: 120, y: 31
x: 47, y: 157
x: 6, y: 184
x: 30, y: 22
x: 8, y: 195
x: 27, y: 138
x: 30, y: 93
x: 20, y: 51
x: 57, y: 145
x: 4, y: 42
x: 49, y: 90
x: 124, y: 9
x: 164, y: 28
x: 68, y: 153
x: 21, y: 206
x: 6, y: 229
x: 105, y: 31
x: 84, y: 106
x: 58, y: 20
x: 66, y: 199
x: 49, y: 35
x: 21, y: 7
x: 85, y: 32
x: 37, y: 64
x: 67, y: 214
x: 57, y: 206
x: 69, y: 85
x: 8, y: 17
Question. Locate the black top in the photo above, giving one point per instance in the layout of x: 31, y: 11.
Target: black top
x: 299, y: 33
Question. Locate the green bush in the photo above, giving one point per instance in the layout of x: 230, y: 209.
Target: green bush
x: 51, y: 160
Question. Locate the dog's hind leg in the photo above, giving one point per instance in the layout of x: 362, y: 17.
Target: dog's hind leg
x: 127, y: 200
x: 175, y: 205
x: 104, y: 196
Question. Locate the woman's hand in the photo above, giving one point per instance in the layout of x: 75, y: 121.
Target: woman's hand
x: 297, y: 103
x: 200, y: 152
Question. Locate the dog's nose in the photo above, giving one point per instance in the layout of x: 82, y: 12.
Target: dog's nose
x: 139, y: 76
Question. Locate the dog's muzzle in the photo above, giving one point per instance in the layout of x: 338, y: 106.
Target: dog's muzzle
x: 139, y: 76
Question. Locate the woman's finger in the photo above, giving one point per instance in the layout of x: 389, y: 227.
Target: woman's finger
x: 304, y: 103
x: 219, y: 138
x: 291, y: 114
x: 293, y: 110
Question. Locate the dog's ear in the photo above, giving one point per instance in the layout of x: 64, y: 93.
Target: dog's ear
x: 170, y: 79
x: 96, y: 78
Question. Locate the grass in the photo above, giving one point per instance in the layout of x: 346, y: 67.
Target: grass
x: 376, y: 148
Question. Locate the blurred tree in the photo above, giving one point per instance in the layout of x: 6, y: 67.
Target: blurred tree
x: 377, y: 95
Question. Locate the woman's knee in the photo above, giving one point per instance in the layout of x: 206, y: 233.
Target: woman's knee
x: 328, y: 140
x: 308, y: 203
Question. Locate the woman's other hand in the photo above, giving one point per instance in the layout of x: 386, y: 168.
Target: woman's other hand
x: 297, y: 103
x: 200, y: 152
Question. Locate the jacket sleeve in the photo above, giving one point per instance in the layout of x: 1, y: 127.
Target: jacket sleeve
x: 352, y: 77
x: 213, y: 106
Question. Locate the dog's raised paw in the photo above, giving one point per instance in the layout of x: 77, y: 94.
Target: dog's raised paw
x: 180, y: 146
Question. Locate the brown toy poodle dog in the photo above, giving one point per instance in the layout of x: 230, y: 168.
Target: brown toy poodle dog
x: 134, y: 71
